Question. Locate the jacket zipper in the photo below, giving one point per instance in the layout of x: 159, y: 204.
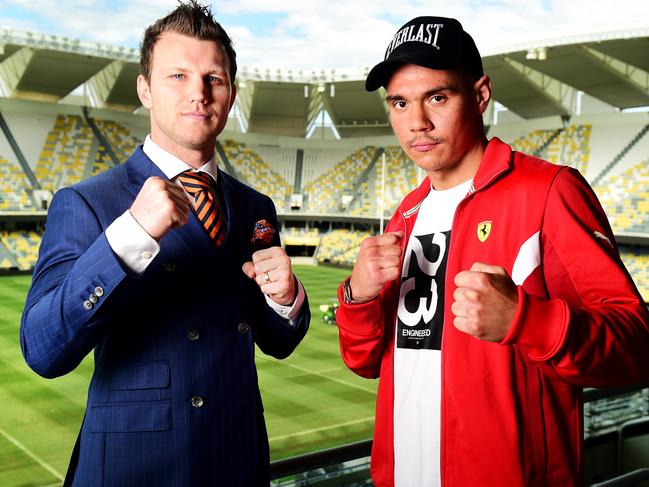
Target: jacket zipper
x: 404, y: 240
x: 454, y: 227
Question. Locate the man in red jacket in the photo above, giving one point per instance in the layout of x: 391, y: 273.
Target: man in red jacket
x: 496, y: 294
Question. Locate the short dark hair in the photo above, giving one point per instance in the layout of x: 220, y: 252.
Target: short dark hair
x: 191, y: 19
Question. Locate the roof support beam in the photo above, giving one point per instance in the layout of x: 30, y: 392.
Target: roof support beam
x: 243, y: 103
x: 101, y: 85
x: 558, y: 94
x: 627, y: 73
x: 316, y: 102
x: 319, y: 101
x: 12, y: 70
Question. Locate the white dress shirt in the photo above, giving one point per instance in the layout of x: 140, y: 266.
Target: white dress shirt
x: 136, y: 248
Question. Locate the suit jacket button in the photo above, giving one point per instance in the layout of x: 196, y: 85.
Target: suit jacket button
x: 169, y: 266
x: 93, y: 298
x: 87, y: 304
x: 99, y: 291
x: 243, y: 327
x: 193, y: 334
x: 198, y: 401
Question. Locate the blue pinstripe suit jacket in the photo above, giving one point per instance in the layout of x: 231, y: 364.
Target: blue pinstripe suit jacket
x: 140, y: 426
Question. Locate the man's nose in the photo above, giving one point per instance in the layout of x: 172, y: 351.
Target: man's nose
x: 419, y: 120
x: 198, y: 90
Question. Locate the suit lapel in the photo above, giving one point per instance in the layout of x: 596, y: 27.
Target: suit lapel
x: 235, y: 209
x: 192, y: 236
x: 139, y: 168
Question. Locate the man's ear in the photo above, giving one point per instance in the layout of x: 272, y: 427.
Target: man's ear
x: 144, y: 91
x: 482, y: 90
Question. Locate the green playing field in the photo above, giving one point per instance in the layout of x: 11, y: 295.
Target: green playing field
x: 312, y: 401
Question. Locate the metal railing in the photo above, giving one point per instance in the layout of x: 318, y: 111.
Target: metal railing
x: 310, y: 462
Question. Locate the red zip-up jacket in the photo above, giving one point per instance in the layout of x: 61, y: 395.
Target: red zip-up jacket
x: 511, y: 412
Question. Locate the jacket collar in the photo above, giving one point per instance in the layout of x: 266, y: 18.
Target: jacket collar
x: 495, y: 161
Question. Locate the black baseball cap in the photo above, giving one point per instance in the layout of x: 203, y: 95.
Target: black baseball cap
x: 431, y: 42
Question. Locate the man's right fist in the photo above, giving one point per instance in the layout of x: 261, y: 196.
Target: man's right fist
x: 160, y: 206
x: 378, y: 263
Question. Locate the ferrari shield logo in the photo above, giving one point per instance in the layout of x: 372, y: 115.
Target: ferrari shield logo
x: 484, y: 229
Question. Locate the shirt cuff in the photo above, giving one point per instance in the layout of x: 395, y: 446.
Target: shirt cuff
x: 289, y: 312
x: 131, y: 243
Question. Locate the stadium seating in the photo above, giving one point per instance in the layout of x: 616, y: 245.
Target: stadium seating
x: 340, y: 246
x: 13, y: 188
x: 300, y: 236
x: 24, y: 247
x: 324, y: 193
x: 400, y: 179
x: 317, y: 161
x: 365, y: 203
x: 7, y: 260
x: 625, y: 198
x: 256, y: 172
x: 66, y: 153
x: 532, y: 141
x: 121, y: 142
x: 569, y: 146
x: 280, y: 159
x: 71, y: 151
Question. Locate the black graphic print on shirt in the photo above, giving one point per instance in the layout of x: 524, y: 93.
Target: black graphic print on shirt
x: 420, y: 316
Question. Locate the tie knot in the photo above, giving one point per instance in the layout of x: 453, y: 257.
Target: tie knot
x: 195, y: 182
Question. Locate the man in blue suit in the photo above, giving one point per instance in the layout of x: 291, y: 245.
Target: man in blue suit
x: 171, y: 288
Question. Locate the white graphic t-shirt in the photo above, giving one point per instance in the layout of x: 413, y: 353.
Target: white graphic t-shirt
x: 418, y: 337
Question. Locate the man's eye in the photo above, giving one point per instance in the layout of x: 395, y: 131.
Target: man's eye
x: 400, y: 104
x: 437, y: 98
x: 177, y: 76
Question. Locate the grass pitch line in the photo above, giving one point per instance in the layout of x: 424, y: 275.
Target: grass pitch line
x: 31, y: 455
x: 320, y: 374
x: 324, y: 428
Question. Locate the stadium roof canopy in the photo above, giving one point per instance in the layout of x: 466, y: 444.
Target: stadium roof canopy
x: 533, y: 80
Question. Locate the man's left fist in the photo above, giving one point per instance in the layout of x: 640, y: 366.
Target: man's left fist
x: 271, y: 269
x: 485, y: 303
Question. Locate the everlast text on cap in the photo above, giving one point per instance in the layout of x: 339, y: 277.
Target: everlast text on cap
x: 431, y: 42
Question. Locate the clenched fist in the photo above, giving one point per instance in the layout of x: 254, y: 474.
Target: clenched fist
x: 271, y: 270
x: 378, y: 263
x: 160, y: 206
x: 485, y: 302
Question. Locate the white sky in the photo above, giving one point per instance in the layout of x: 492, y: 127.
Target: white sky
x: 313, y: 34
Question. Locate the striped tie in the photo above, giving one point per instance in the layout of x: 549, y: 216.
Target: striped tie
x: 198, y: 185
